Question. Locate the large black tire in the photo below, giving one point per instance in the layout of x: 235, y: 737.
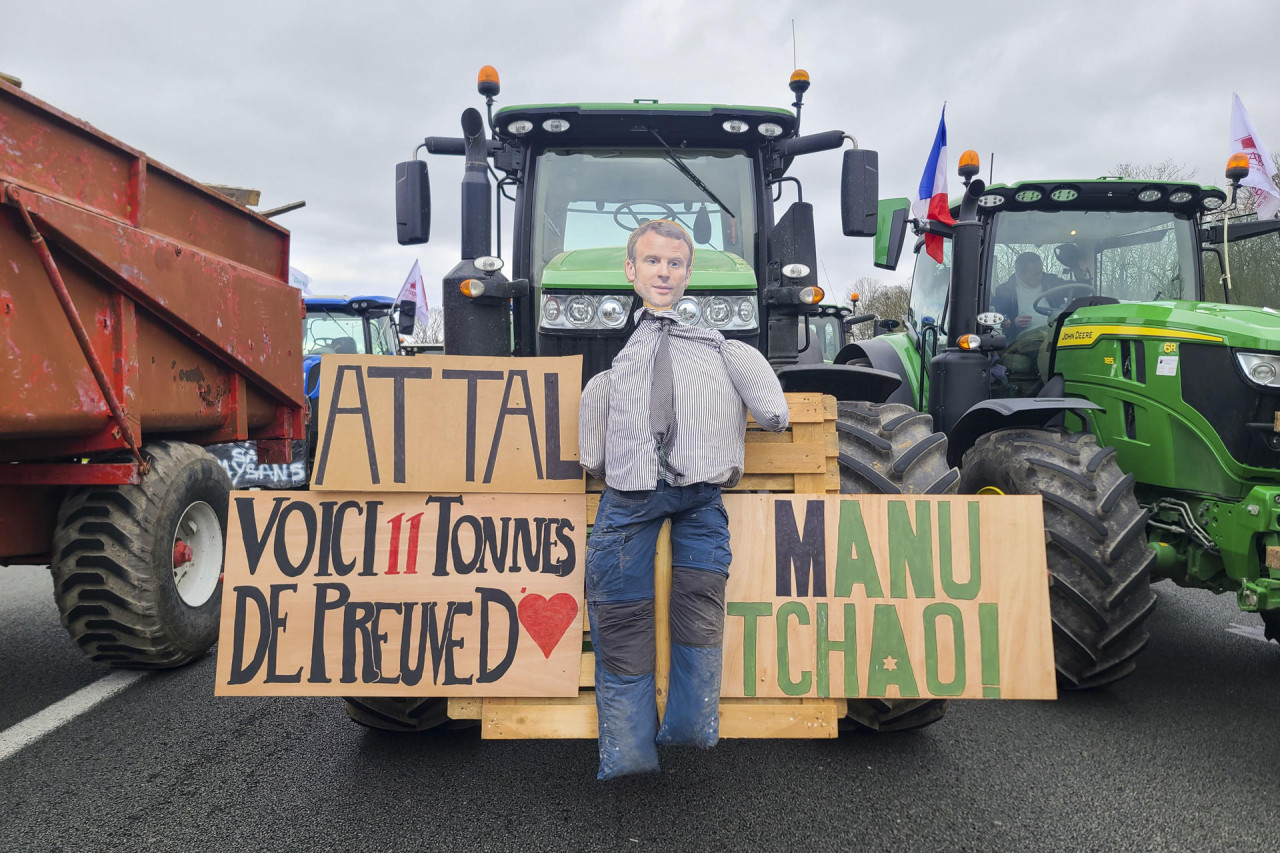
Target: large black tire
x: 892, y: 449
x: 123, y: 600
x: 398, y: 714
x: 1099, y: 561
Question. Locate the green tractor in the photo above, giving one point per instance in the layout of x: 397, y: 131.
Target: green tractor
x: 579, y: 179
x: 1136, y: 394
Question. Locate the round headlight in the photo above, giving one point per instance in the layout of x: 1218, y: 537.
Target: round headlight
x: 1212, y: 202
x: 551, y: 309
x: 580, y: 311
x: 770, y: 129
x: 1180, y: 196
x: 746, y: 311
x: 520, y: 128
x: 612, y: 313
x: 1150, y: 194
x: 1064, y: 194
x: 1029, y: 196
x: 719, y: 312
x: 735, y: 126
x: 555, y: 125
x: 1262, y: 372
x: 990, y: 200
x: 688, y: 310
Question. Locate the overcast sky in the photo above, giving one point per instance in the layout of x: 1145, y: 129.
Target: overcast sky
x: 318, y: 100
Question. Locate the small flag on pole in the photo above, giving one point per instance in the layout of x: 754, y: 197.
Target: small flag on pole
x: 414, y: 292
x: 931, y: 197
x: 1262, y: 170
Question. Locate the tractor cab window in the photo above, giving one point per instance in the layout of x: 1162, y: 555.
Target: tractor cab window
x: 330, y: 332
x: 930, y: 282
x: 386, y: 341
x: 589, y: 200
x: 1253, y: 263
x: 1043, y: 260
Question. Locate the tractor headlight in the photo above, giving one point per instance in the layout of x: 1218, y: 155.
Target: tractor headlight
x: 1261, y: 368
x: 588, y: 312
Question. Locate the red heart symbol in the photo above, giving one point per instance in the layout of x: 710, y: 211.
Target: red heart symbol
x: 546, y: 620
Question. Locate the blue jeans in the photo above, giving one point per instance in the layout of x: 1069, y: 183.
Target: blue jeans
x: 620, y: 555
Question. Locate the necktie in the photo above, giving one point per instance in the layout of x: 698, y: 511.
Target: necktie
x: 662, y: 403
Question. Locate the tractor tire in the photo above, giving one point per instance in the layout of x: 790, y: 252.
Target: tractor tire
x: 123, y: 600
x: 891, y: 449
x: 1271, y: 624
x: 1099, y: 562
x: 398, y: 714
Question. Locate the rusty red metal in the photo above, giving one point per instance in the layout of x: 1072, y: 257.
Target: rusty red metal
x: 82, y: 337
x: 135, y: 304
x: 71, y: 474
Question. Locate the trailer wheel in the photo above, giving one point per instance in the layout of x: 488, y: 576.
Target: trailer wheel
x: 891, y: 449
x: 1100, y: 586
x: 137, y: 570
x: 398, y: 714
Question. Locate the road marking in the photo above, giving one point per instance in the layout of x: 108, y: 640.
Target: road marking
x: 1253, y: 632
x: 63, y: 711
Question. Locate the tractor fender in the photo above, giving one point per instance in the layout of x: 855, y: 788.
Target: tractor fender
x: 842, y: 381
x: 882, y: 356
x: 991, y: 415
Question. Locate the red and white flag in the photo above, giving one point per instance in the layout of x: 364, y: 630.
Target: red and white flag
x: 1262, y: 170
x: 930, y: 201
x: 415, y: 291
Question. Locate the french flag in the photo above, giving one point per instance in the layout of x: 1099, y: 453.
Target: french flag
x: 931, y: 196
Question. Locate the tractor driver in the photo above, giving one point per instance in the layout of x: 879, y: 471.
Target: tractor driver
x: 664, y: 427
x: 1015, y: 297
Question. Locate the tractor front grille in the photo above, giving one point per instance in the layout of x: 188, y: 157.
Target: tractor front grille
x: 1243, y: 414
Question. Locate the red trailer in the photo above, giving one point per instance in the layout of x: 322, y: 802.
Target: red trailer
x: 142, y: 316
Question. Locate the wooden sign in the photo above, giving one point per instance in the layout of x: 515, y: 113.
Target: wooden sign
x: 887, y: 596
x: 335, y: 594
x: 448, y: 424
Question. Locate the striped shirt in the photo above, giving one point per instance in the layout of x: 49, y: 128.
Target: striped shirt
x: 716, y: 382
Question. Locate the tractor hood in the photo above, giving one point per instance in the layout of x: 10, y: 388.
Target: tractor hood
x: 602, y: 269
x: 1239, y: 326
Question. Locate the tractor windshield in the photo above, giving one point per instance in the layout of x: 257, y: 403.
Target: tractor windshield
x: 335, y: 332
x: 592, y: 198
x: 1042, y: 260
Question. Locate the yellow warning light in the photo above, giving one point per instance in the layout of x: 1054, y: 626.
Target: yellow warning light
x: 472, y: 288
x: 811, y: 295
x: 969, y: 164
x: 799, y: 81
x: 854, y: 297
x: 969, y: 342
x: 1237, y: 166
x: 800, y: 74
x: 487, y: 82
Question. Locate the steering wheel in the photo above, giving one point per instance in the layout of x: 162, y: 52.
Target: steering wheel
x: 629, y: 209
x: 1062, y: 291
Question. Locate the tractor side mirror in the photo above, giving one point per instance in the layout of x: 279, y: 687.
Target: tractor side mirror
x: 413, y: 203
x: 859, y: 192
x: 891, y: 231
x: 408, y: 317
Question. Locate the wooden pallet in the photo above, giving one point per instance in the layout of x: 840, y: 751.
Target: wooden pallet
x: 802, y: 460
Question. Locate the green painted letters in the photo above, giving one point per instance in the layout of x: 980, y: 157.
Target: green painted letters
x: 855, y: 564
x: 750, y: 611
x: 890, y: 662
x: 789, y: 687
x: 937, y: 687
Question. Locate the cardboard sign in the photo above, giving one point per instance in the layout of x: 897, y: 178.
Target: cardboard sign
x: 887, y: 596
x: 448, y: 424
x: 336, y: 594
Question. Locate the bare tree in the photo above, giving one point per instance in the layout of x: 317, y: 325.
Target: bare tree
x: 1166, y: 170
x: 886, y: 301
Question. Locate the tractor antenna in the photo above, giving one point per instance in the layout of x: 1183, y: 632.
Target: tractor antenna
x: 795, y: 63
x: 991, y: 169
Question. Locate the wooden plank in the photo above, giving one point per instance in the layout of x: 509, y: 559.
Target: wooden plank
x: 786, y: 459
x: 513, y: 719
x: 662, y: 614
x: 1273, y: 557
x: 765, y: 483
x: 465, y: 708
x: 587, y: 677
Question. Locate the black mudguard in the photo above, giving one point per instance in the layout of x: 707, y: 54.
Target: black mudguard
x: 882, y: 357
x: 842, y: 381
x: 991, y: 415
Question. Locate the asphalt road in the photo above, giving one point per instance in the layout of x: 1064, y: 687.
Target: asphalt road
x: 1184, y: 755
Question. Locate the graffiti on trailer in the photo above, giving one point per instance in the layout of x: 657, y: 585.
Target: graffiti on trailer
x: 240, y: 461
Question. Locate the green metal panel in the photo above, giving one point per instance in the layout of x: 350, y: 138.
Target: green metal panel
x: 884, y: 218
